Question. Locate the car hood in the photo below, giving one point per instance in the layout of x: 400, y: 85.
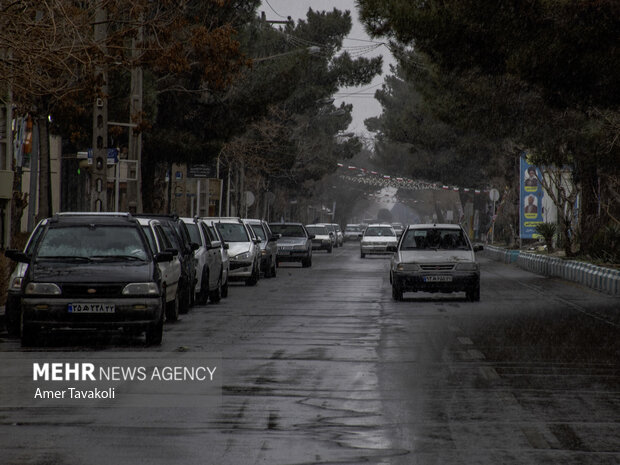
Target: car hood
x: 292, y: 241
x: 95, y: 272
x: 236, y: 248
x: 382, y: 239
x: 436, y: 256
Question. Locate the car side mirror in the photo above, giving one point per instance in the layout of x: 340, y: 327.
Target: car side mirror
x: 391, y: 248
x: 166, y: 256
x: 258, y: 240
x: 174, y: 252
x: 478, y: 247
x: 275, y: 237
x: 311, y: 236
x: 226, y: 246
x: 331, y: 234
x: 17, y: 256
x: 360, y: 235
x: 215, y: 245
x: 194, y: 246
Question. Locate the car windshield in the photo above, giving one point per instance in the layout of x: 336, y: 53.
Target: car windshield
x: 259, y: 231
x: 194, y: 234
x: 88, y: 241
x: 434, y: 238
x: 317, y: 230
x: 352, y: 229
x: 233, y: 232
x: 288, y: 230
x: 379, y: 231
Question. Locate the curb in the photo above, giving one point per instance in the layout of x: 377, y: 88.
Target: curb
x: 599, y: 278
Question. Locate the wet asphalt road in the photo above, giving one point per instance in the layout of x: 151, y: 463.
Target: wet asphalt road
x: 320, y: 366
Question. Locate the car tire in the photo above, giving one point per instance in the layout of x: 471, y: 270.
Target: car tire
x: 306, y: 262
x: 216, y: 294
x: 253, y: 280
x: 397, y: 291
x: 225, y: 289
x: 203, y: 295
x: 268, y: 271
x: 274, y: 269
x: 473, y: 293
x: 362, y: 255
x: 172, y: 308
x: 12, y: 318
x: 330, y: 250
x: 184, y: 300
x: 155, y: 333
x: 28, y: 332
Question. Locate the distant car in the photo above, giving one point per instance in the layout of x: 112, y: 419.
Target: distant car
x: 377, y: 238
x: 170, y: 271
x: 208, y: 226
x: 352, y: 232
x: 435, y: 258
x: 398, y: 229
x: 177, y: 232
x: 295, y: 243
x: 209, y: 270
x: 91, y: 271
x: 322, y: 237
x: 268, y: 246
x: 333, y: 233
x: 243, y: 249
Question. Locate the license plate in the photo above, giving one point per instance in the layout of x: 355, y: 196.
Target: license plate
x: 438, y: 279
x: 284, y: 252
x: 91, y: 308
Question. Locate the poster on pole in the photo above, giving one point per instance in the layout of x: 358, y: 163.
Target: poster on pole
x: 530, y: 199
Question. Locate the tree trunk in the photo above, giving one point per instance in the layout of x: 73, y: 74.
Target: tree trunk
x: 45, y: 187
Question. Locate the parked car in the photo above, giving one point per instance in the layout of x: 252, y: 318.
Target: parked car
x: 352, y: 232
x: 398, y: 229
x: 244, y: 250
x: 435, y: 258
x: 170, y: 271
x: 177, y: 232
x: 213, y: 234
x: 12, y: 313
x: 295, y: 243
x: 91, y: 271
x: 376, y: 239
x: 268, y: 246
x: 323, y: 239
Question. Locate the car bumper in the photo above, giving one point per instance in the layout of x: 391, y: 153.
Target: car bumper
x: 128, y: 313
x: 292, y: 255
x: 428, y: 282
x: 378, y: 249
x: 240, y: 270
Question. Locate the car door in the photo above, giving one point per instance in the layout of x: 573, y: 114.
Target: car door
x: 171, y: 272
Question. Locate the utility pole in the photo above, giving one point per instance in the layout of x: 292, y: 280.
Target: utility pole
x: 6, y: 173
x: 134, y: 188
x: 99, y: 176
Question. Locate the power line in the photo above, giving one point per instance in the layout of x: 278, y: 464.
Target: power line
x: 272, y: 9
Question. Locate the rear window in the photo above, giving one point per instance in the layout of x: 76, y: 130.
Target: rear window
x: 317, y: 230
x: 194, y: 234
x: 434, y: 238
x: 288, y: 230
x: 88, y: 241
x: 379, y: 231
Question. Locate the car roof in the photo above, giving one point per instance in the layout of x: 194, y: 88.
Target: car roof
x: 435, y: 225
x: 252, y: 221
x: 286, y: 224
x: 159, y: 216
x: 383, y: 225
x: 92, y: 217
x: 224, y: 219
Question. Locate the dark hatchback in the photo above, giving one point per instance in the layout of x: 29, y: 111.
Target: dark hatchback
x: 93, y: 272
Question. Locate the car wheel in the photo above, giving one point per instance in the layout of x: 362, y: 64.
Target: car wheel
x: 274, y: 269
x: 172, y: 309
x: 155, y: 333
x: 184, y: 298
x: 397, y: 291
x: 216, y: 294
x: 362, y: 255
x: 473, y: 294
x: 29, y: 333
x: 306, y: 262
x: 330, y: 250
x: 253, y: 280
x: 225, y: 288
x: 202, y: 296
x: 268, y: 271
x: 13, y: 317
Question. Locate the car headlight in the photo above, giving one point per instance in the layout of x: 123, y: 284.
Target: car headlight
x: 141, y: 289
x: 470, y: 266
x: 242, y: 256
x: 16, y: 284
x: 407, y: 267
x: 42, y: 289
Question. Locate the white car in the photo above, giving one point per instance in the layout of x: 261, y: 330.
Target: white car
x: 170, y: 271
x: 435, y: 258
x: 323, y: 239
x: 243, y: 249
x: 377, y: 238
x: 214, y: 235
x: 209, y: 270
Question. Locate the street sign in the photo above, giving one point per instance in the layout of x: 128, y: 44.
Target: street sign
x: 199, y: 170
x: 494, y: 195
x: 249, y: 198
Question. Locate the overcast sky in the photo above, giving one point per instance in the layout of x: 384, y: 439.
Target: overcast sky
x: 364, y: 105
